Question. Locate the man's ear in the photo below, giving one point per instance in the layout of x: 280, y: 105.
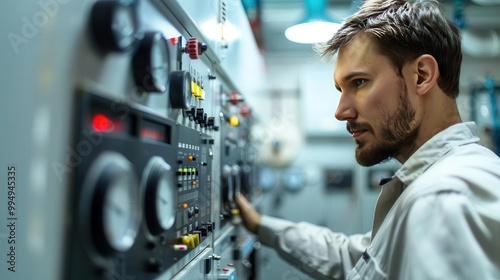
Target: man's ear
x: 427, y: 73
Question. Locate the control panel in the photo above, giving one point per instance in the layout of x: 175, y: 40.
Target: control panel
x: 124, y: 200
x: 237, y: 152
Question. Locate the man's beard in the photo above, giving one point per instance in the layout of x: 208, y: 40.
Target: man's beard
x: 396, y: 134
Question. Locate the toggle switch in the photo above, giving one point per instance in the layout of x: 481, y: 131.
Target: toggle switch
x: 196, y: 239
x: 188, y: 240
x: 180, y: 247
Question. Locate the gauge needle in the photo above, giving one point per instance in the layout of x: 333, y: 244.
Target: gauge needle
x: 117, y: 209
x: 163, y: 200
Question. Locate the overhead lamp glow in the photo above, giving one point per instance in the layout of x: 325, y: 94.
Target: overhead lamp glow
x: 316, y: 27
x: 312, y: 32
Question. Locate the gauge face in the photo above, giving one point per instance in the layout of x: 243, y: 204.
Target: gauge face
x: 293, y: 179
x: 115, y: 25
x: 119, y: 211
x: 165, y: 203
x: 124, y: 26
x: 115, y: 205
x: 159, y: 64
x: 267, y: 178
x: 180, y: 89
x: 151, y: 63
x: 160, y: 196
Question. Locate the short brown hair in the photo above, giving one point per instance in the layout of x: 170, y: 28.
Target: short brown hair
x: 404, y: 30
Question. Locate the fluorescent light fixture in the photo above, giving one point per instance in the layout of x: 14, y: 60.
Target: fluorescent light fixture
x: 316, y: 27
x: 312, y: 32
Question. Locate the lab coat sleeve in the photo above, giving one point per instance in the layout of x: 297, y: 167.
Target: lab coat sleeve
x: 444, y: 236
x: 316, y: 250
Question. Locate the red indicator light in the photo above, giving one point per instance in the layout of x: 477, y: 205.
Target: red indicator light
x: 101, y: 123
x: 155, y: 135
x: 174, y: 40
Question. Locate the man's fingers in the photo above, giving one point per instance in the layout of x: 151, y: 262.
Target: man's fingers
x: 248, y: 214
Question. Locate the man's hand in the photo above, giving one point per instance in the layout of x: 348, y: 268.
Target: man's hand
x: 250, y: 217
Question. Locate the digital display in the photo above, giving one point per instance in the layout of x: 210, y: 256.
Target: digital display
x: 106, y: 124
x: 155, y: 131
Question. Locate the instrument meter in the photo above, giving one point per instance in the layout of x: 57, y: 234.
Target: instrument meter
x: 159, y: 196
x: 115, y: 208
x: 115, y: 25
x: 151, y: 63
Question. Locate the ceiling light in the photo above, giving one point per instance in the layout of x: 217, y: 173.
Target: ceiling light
x: 316, y: 27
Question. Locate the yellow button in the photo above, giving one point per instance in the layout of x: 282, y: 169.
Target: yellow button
x: 234, y: 121
x: 235, y: 211
x: 196, y: 239
x: 199, y: 92
x: 188, y: 241
x: 193, y: 87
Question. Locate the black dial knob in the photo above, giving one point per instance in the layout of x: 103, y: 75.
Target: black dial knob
x: 180, y: 89
x: 199, y: 115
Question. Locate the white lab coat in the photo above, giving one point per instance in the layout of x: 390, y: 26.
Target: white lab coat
x: 438, y: 218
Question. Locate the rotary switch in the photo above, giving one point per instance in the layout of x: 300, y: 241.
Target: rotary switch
x: 235, y: 98
x: 180, y: 89
x: 245, y: 110
x: 195, y: 48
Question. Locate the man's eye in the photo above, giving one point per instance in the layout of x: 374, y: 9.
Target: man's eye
x: 359, y: 82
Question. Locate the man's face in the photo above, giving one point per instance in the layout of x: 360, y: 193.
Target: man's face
x: 375, y: 101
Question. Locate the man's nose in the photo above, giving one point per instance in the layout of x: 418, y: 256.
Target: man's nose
x: 345, y: 109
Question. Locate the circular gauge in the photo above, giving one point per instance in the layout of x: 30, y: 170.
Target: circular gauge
x: 293, y: 179
x: 180, y: 89
x: 115, y: 210
x: 151, y: 63
x: 115, y: 25
x: 267, y: 178
x: 159, y: 196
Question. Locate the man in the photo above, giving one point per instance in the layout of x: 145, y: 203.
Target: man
x: 438, y: 217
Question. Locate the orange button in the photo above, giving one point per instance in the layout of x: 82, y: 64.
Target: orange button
x: 184, y: 205
x: 190, y: 157
x: 193, y: 183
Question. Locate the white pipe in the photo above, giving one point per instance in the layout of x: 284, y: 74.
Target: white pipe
x: 484, y: 43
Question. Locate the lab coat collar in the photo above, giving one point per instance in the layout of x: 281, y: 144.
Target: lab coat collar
x: 434, y: 149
